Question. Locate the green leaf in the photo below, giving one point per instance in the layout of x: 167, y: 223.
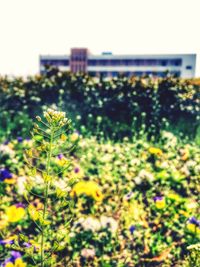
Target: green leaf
x: 23, y: 237
x: 38, y: 137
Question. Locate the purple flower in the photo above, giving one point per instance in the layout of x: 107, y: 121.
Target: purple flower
x: 27, y: 245
x: 132, y: 229
x: 19, y: 139
x: 60, y: 156
x: 194, y: 221
x: 5, y: 174
x: 15, y: 255
x: 6, y: 241
x: 76, y: 170
x: 157, y: 198
x: 19, y: 205
x: 7, y: 261
x: 6, y: 142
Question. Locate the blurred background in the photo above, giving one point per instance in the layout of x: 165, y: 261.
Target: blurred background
x: 32, y: 28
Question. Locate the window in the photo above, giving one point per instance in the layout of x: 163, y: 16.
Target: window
x: 175, y: 62
x: 114, y: 74
x: 55, y: 62
x: 188, y: 67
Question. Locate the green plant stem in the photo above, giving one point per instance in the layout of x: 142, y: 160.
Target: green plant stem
x: 46, y: 192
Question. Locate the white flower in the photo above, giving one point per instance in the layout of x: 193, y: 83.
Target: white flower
x: 21, y: 181
x: 138, y: 180
x: 135, y: 162
x: 89, y: 223
x: 109, y: 222
x: 146, y: 175
x: 169, y: 136
x: 88, y: 252
x: 164, y: 165
x: 190, y: 163
x: 185, y: 170
x: 7, y: 150
x: 72, y: 234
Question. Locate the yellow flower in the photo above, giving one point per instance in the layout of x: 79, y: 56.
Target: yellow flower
x: 14, y: 213
x: 74, y: 137
x: 174, y: 196
x: 155, y: 151
x: 10, y: 181
x: 184, y: 213
x: 10, y: 145
x: 18, y: 263
x: 160, y: 202
x: 185, y: 155
x: 33, y: 212
x: 35, y: 244
x: 88, y: 188
x: 193, y: 228
x: 97, y: 195
x: 63, y: 137
x: 62, y: 162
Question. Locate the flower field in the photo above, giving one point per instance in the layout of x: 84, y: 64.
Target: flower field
x: 117, y: 186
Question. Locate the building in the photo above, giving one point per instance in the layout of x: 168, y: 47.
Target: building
x: 107, y: 64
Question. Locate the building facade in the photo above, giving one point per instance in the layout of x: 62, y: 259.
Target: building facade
x: 107, y: 64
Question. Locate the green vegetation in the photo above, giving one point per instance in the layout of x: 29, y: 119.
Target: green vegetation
x: 117, y: 186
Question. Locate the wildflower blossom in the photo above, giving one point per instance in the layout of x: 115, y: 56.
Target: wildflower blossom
x: 145, y: 175
x: 174, y: 196
x: 77, y: 172
x: 33, y: 212
x: 5, y: 175
x: 21, y: 181
x: 159, y: 202
x: 6, y: 150
x: 14, y: 261
x: 89, y: 223
x: 87, y: 188
x: 155, y: 151
x: 19, y: 139
x: 74, y: 137
x: 88, y: 252
x: 132, y: 229
x: 60, y: 156
x: 55, y: 117
x: 193, y: 225
x: 185, y: 155
x: 15, y: 213
x: 61, y: 160
x: 77, y: 169
x: 9, y: 240
x: 109, y: 222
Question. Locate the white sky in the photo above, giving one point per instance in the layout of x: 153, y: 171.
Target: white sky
x: 29, y: 28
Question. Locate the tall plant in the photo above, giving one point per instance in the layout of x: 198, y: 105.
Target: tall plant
x: 51, y: 143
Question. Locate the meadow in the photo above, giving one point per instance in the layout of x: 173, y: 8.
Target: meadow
x: 99, y: 172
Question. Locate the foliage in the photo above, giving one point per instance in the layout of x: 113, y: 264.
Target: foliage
x: 128, y: 203
x: 118, y: 186
x: 117, y: 107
